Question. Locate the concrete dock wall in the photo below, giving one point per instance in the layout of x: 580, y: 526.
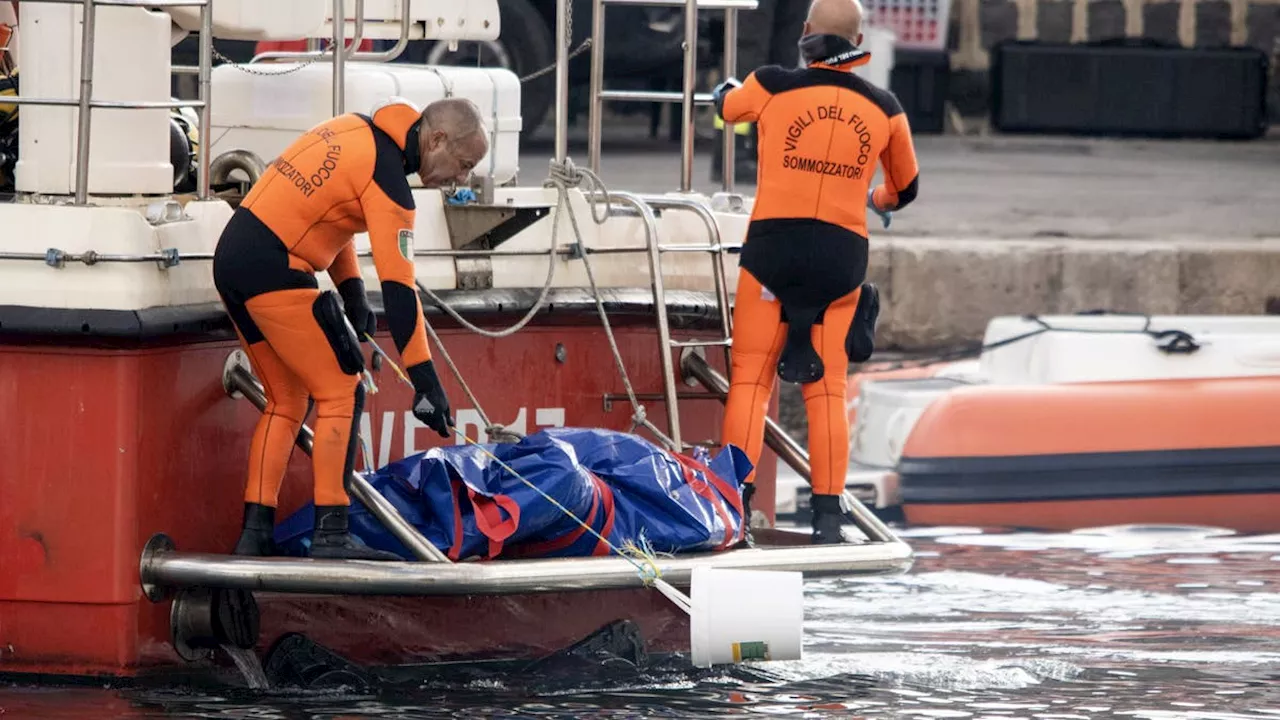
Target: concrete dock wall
x: 941, y: 292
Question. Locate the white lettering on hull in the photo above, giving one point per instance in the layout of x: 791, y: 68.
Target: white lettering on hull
x: 468, y: 421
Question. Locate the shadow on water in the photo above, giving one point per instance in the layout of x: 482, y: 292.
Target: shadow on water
x: 1151, y: 622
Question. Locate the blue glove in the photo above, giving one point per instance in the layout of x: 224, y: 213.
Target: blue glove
x: 886, y: 216
x: 462, y: 196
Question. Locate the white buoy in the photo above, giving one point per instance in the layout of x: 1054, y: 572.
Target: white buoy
x: 739, y: 615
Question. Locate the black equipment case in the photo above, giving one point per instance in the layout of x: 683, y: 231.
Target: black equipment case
x: 1129, y: 87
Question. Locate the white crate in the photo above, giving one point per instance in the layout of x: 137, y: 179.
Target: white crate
x: 265, y: 113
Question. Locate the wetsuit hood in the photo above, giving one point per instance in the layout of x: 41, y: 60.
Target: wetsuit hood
x: 832, y: 52
x: 413, y: 149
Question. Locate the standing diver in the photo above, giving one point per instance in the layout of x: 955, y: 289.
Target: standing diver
x: 802, y: 307
x: 345, y: 176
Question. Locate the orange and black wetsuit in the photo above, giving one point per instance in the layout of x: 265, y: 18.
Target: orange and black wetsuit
x: 822, y: 131
x: 345, y: 176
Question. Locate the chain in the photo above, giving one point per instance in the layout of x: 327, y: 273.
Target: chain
x: 576, y: 52
x: 568, y: 21
x: 245, y: 68
x: 249, y: 70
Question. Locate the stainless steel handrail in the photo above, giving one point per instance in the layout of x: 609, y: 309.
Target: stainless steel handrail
x: 239, y: 379
x: 659, y: 295
x: 352, y: 53
x: 162, y: 567
x: 787, y: 449
x: 340, y: 57
x: 713, y: 246
x: 686, y: 96
x: 563, y: 8
x: 91, y: 257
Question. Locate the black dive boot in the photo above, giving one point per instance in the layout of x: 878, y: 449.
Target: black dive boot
x: 828, y: 520
x: 259, y: 525
x: 747, y: 541
x: 331, y: 541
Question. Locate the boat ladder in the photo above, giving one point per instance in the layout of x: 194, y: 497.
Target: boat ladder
x: 649, y: 207
x: 686, y: 96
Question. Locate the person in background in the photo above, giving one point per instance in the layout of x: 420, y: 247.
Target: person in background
x: 802, y: 308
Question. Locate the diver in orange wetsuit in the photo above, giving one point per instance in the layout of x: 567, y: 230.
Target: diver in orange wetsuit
x: 802, y: 306
x: 345, y: 176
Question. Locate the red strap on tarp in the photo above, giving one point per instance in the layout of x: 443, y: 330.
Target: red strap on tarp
x: 489, y: 518
x: 606, y: 494
x: 692, y: 471
x: 457, y: 520
x: 602, y: 501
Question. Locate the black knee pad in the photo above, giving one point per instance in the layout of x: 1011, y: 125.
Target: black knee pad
x: 860, y: 342
x: 341, y: 336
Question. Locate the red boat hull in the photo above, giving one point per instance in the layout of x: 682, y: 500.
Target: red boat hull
x: 112, y: 443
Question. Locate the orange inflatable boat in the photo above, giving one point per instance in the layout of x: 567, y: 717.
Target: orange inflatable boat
x: 1090, y: 421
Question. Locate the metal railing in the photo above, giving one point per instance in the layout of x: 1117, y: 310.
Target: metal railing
x: 352, y: 50
x: 87, y: 104
x: 686, y: 96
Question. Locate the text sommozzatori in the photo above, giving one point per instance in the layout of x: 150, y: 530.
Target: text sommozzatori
x: 309, y: 184
x: 828, y: 113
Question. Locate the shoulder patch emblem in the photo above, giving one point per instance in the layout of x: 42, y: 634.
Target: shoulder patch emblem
x: 406, y: 244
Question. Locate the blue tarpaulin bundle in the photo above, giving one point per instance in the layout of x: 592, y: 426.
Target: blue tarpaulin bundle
x: 627, y: 489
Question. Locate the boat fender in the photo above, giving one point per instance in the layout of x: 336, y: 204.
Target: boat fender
x: 860, y: 343
x: 181, y: 151
x: 338, y: 331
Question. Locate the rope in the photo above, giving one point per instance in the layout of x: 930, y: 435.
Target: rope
x: 649, y: 571
x: 1168, y: 341
x: 562, y: 177
x: 561, y: 201
x: 569, y: 175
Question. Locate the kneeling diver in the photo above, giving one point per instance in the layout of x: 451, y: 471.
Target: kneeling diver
x: 802, y: 307
x: 345, y: 176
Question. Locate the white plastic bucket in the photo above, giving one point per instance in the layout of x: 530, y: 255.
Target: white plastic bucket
x: 739, y: 615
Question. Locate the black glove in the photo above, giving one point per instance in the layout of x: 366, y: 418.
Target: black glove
x: 430, y: 405
x: 356, y: 305
x: 719, y: 92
